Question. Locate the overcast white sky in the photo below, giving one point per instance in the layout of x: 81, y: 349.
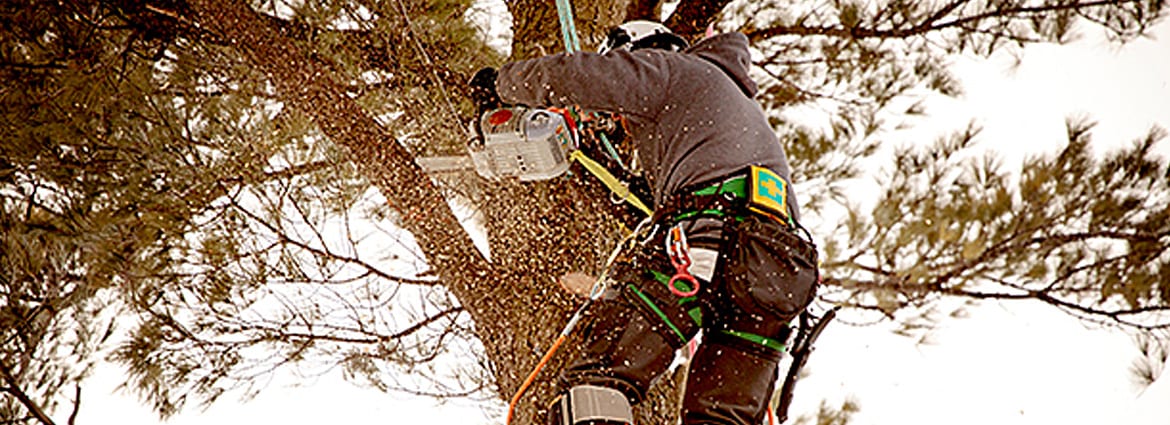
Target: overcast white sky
x: 1004, y: 364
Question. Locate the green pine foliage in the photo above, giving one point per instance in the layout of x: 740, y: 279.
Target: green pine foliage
x: 116, y: 143
x: 82, y: 201
x: 1085, y: 234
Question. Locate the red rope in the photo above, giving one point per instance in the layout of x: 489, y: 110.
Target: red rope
x: 532, y: 376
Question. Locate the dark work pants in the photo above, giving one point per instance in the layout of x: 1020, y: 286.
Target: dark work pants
x: 635, y: 329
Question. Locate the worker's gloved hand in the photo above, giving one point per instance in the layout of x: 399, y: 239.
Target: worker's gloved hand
x: 483, y: 94
x: 483, y: 90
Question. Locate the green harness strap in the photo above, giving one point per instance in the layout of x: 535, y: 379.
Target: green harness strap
x: 658, y: 311
x: 697, y: 315
x: 762, y: 340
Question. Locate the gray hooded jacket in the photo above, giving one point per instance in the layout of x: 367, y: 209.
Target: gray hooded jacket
x: 691, y: 114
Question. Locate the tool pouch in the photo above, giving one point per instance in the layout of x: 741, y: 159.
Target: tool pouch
x: 767, y: 268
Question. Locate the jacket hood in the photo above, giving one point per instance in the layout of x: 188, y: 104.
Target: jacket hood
x: 729, y: 51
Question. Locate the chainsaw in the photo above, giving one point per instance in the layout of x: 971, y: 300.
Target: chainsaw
x: 529, y: 144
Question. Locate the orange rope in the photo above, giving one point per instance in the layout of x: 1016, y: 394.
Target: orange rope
x: 532, y: 376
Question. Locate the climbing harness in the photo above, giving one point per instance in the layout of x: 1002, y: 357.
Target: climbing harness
x: 595, y: 293
x: 680, y: 257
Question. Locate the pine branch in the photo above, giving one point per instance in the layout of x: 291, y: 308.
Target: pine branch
x: 298, y: 170
x: 16, y: 390
x: 1118, y: 316
x: 929, y: 25
x: 915, y: 291
x: 76, y: 405
x: 277, y: 333
x: 326, y: 252
x: 311, y: 87
x: 16, y: 421
x: 1011, y: 245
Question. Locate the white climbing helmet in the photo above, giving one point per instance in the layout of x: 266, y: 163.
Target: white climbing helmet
x: 636, y: 35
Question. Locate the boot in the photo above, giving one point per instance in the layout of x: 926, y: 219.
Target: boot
x: 591, y: 405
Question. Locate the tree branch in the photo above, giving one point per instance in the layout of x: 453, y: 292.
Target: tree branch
x: 311, y: 86
x: 1118, y: 316
x: 15, y: 389
x: 298, y: 169
x: 325, y: 252
x: 20, y: 65
x: 76, y: 404
x: 691, y: 17
x: 1008, y: 246
x: 282, y: 335
x: 1043, y: 296
x: 929, y: 25
x: 424, y: 323
x: 17, y: 421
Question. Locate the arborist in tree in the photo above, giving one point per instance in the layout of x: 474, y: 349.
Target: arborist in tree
x: 726, y: 253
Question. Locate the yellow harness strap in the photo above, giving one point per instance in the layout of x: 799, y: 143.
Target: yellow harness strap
x: 610, y: 181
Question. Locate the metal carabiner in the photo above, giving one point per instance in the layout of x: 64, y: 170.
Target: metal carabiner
x: 679, y: 253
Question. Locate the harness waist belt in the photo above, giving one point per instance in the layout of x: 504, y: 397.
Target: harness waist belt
x: 757, y: 190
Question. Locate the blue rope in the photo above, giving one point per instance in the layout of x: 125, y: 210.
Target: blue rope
x: 573, y: 45
x: 568, y: 28
x: 612, y: 152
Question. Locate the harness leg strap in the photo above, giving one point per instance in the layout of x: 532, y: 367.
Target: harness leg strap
x: 591, y: 405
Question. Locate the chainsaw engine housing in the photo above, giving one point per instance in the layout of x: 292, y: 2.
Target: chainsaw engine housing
x: 521, y: 142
